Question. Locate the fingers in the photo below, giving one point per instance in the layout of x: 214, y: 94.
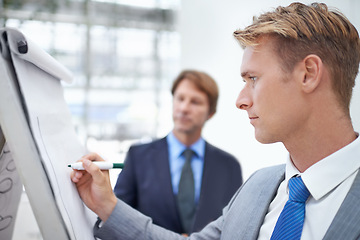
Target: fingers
x: 94, y: 171
x: 93, y: 157
x: 94, y: 186
x: 76, y: 175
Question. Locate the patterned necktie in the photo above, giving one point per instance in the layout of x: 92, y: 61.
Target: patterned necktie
x: 291, y: 220
x: 186, y: 193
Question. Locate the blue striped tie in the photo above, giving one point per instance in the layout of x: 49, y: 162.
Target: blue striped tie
x: 291, y: 220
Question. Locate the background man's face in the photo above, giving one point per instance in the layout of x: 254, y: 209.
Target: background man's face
x: 190, y: 108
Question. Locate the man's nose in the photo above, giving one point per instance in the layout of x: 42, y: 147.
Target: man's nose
x: 244, y: 101
x: 184, y: 105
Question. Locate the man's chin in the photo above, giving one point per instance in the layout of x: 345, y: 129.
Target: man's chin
x: 264, y: 139
x: 183, y: 130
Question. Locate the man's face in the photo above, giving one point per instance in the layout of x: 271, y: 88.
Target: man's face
x: 190, y: 108
x: 271, y: 97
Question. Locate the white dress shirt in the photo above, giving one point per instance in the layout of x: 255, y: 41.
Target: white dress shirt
x: 328, y: 182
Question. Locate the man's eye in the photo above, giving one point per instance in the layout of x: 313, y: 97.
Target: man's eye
x: 253, y: 78
x: 179, y: 98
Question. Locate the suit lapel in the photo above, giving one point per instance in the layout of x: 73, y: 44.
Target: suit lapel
x: 346, y: 224
x: 206, y: 179
x: 161, y: 162
x: 268, y: 192
x: 252, y: 204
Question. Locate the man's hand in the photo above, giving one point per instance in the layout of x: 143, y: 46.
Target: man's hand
x: 94, y: 186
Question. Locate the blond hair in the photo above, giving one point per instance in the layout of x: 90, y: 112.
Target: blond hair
x: 300, y: 30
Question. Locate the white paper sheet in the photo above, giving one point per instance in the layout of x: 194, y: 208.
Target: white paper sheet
x: 51, y: 126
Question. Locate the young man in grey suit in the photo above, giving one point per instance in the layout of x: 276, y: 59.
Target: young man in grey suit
x: 299, y: 66
x: 149, y: 182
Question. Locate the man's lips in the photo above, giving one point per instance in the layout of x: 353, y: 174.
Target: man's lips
x: 183, y: 119
x: 253, y: 119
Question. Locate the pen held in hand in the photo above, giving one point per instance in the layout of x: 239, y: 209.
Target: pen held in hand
x: 101, y: 165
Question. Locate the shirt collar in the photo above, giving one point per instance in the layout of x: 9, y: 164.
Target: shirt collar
x: 178, y: 147
x: 325, y: 175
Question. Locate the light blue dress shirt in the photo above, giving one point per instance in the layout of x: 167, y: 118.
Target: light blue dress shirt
x: 176, y: 162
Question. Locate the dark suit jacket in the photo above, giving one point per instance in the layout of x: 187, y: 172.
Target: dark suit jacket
x: 145, y: 184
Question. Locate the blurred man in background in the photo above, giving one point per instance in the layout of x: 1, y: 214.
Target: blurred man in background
x: 154, y: 178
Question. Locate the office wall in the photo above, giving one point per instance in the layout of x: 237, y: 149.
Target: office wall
x: 206, y: 28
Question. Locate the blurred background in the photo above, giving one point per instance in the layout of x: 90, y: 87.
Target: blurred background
x: 124, y: 55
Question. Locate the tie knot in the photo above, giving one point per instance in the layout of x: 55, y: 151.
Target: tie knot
x: 188, y: 153
x: 297, y: 190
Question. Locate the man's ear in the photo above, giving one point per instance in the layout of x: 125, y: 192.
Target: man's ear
x: 314, y: 68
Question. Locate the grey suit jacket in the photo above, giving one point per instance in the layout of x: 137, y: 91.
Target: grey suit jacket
x: 241, y: 218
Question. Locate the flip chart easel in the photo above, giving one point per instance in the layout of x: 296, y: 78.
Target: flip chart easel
x: 36, y: 125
